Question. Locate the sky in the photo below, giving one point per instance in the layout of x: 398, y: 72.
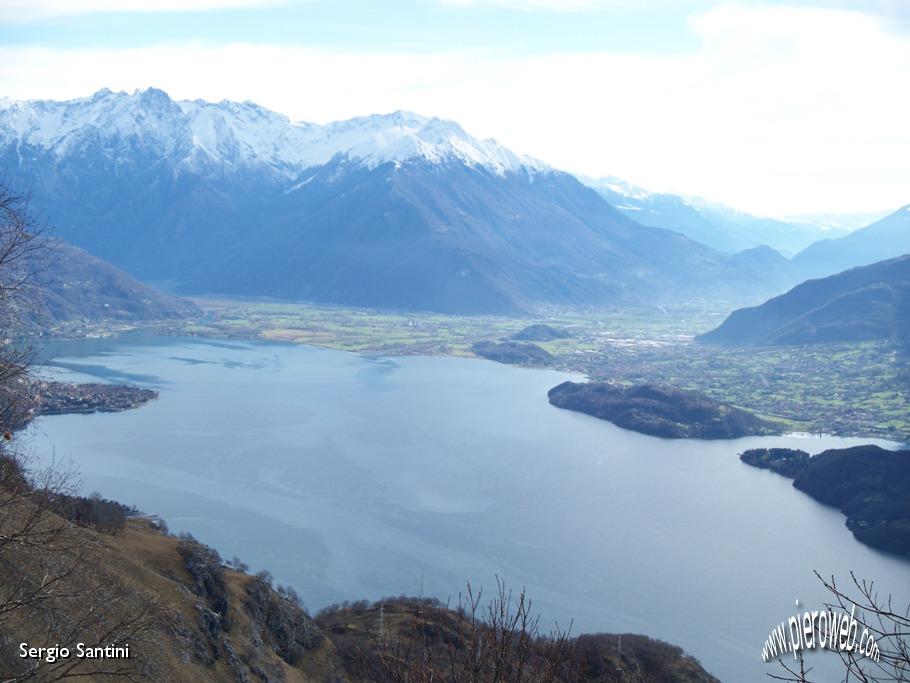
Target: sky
x: 778, y: 108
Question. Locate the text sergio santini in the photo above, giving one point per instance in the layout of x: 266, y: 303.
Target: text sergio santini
x: 81, y: 651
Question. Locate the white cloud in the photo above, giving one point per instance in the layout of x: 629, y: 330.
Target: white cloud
x: 20, y: 11
x: 780, y: 109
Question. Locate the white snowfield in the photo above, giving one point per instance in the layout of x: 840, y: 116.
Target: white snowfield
x: 243, y: 133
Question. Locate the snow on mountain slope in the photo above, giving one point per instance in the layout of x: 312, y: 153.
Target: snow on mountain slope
x: 393, y: 211
x: 402, y: 135
x: 58, y: 127
x: 240, y: 134
x: 617, y: 186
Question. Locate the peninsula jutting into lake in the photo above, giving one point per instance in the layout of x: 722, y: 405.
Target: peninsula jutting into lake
x: 867, y: 483
x: 61, y: 398
x: 660, y: 411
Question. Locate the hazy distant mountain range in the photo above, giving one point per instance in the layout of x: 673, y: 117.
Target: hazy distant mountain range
x: 390, y: 211
x: 860, y: 304
x: 881, y: 240
x: 720, y: 226
x: 396, y: 211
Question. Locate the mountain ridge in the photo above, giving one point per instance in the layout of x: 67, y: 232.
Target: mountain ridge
x: 861, y: 304
x: 710, y: 223
x: 69, y: 287
x: 245, y: 133
x: 395, y: 211
x: 883, y: 239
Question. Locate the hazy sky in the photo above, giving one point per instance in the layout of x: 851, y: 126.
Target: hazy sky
x: 774, y: 107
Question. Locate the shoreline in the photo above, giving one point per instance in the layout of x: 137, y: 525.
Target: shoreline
x: 380, y: 340
x: 798, y: 433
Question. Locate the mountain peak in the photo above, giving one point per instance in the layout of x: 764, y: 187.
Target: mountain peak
x: 153, y: 96
x: 403, y: 135
x: 101, y: 94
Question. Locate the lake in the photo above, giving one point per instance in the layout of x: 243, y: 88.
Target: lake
x: 352, y: 477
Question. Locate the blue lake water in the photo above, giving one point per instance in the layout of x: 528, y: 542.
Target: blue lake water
x: 354, y: 477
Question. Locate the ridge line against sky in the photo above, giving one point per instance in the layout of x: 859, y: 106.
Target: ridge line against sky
x: 773, y: 108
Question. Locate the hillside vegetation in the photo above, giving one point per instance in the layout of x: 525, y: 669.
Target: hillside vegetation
x: 72, y: 288
x: 540, y: 332
x: 512, y: 352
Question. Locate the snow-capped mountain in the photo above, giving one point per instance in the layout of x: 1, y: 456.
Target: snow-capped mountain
x: 231, y: 134
x: 394, y: 211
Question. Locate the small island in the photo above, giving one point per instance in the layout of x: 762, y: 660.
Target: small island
x: 540, y: 333
x: 660, y: 411
x: 62, y: 398
x: 868, y: 484
x: 513, y: 353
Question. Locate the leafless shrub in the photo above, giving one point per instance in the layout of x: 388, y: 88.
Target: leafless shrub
x: 493, y: 641
x: 889, y: 625
x: 52, y: 588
